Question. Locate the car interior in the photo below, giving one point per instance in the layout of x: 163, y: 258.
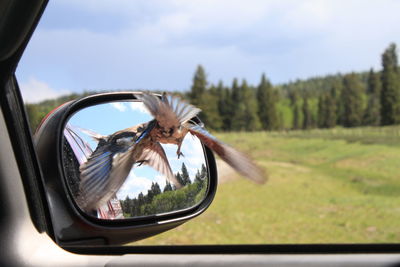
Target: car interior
x: 45, y: 223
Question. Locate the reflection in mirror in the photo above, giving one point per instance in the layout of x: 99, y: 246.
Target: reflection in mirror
x: 114, y: 170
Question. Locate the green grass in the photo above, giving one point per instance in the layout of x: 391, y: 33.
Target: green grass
x: 324, y: 187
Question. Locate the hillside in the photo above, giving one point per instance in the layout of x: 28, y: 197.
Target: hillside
x: 312, y: 87
x: 324, y: 187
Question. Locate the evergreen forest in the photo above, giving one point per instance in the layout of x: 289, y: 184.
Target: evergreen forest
x: 158, y: 201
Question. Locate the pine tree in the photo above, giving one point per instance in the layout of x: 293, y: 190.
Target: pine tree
x: 125, y: 205
x: 336, y: 93
x: 141, y: 199
x: 352, y: 102
x: 267, y: 105
x: 150, y: 193
x: 201, y: 176
x: 372, y: 113
x: 327, y: 109
x: 199, y: 86
x: 185, y: 175
x: 197, y: 177
x: 206, y: 99
x: 330, y: 109
x: 224, y: 106
x: 229, y: 109
x: 307, y: 119
x: 238, y: 107
x: 179, y: 179
x: 204, y: 173
x: 134, y: 207
x: 296, y: 117
x: 251, y: 120
x: 167, y: 187
x: 294, y: 99
x: 155, y: 189
x: 236, y: 95
x: 210, y: 111
x: 321, y: 119
x: 390, y: 97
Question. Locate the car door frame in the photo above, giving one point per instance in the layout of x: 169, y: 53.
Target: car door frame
x: 25, y: 224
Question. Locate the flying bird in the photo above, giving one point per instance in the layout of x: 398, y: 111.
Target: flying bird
x: 107, y: 168
x: 172, y: 127
x: 105, y: 171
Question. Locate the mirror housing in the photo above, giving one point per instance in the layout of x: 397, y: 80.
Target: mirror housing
x: 71, y: 226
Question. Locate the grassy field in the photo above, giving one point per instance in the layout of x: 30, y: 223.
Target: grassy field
x: 325, y: 186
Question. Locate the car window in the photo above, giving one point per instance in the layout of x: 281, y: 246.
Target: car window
x: 310, y: 90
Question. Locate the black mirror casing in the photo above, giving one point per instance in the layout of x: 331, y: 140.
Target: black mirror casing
x: 71, y: 226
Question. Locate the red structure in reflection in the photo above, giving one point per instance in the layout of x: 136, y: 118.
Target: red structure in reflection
x: 112, y: 209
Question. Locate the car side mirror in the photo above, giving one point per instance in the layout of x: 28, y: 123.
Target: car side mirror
x: 111, y: 179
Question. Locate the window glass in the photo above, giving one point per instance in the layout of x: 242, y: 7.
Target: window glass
x: 309, y: 89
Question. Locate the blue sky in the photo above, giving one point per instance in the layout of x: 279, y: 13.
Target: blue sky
x: 157, y: 44
x: 106, y: 119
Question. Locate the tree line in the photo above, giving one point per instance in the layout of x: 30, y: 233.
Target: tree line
x: 349, y: 100
x: 169, y: 199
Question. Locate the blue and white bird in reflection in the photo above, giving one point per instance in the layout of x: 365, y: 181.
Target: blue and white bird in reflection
x: 109, y: 165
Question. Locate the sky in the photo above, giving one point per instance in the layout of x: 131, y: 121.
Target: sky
x: 105, y: 119
x: 157, y: 44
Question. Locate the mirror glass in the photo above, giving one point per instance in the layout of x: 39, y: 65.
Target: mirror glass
x: 124, y: 183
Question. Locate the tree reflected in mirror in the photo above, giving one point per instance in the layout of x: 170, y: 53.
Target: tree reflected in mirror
x: 161, y: 200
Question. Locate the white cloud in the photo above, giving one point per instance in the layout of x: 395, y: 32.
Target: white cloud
x: 134, y: 185
x: 34, y: 91
x: 161, y: 180
x: 119, y: 106
x: 138, y: 106
x: 160, y: 42
x: 307, y: 15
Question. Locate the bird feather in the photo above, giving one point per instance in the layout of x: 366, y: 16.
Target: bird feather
x: 170, y: 111
x: 237, y: 160
x: 155, y: 156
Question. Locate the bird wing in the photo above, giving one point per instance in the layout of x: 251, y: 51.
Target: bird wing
x: 169, y: 111
x: 79, y: 146
x: 95, y: 136
x: 104, y: 173
x: 237, y: 160
x: 154, y: 156
x: 109, y: 165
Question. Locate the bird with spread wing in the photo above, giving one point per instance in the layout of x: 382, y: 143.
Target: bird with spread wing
x: 109, y: 165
